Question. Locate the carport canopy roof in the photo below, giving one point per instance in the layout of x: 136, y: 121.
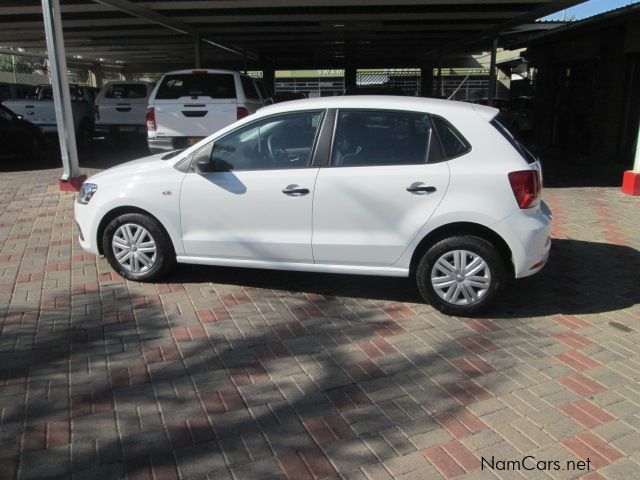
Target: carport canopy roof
x: 159, y: 35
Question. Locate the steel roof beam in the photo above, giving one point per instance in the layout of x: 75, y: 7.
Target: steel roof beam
x: 152, y: 16
x: 516, y: 21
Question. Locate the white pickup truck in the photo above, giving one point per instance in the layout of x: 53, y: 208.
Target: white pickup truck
x: 41, y: 111
x: 188, y: 105
x: 121, y: 108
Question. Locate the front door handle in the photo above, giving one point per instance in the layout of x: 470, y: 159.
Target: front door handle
x: 295, y: 190
x: 417, y: 188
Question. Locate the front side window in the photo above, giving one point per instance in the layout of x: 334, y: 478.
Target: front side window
x: 283, y: 141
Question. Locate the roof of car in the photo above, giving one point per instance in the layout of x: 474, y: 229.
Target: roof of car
x: 386, y: 102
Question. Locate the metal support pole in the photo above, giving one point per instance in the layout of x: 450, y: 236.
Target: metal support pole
x: 491, y: 94
x: 350, y: 77
x: 426, y: 81
x: 439, y: 77
x: 60, y: 87
x: 198, y: 51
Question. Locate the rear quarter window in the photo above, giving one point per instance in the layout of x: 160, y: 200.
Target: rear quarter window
x: 451, y: 140
x: 213, y: 85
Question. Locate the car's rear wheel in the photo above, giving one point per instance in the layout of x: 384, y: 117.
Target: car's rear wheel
x: 137, y: 247
x: 461, y: 275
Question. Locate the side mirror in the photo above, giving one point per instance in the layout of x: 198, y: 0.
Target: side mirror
x: 205, y: 165
x: 19, y: 117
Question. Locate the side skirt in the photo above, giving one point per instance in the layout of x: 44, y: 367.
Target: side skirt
x: 299, y: 267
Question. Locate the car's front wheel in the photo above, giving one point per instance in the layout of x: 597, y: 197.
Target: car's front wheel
x: 461, y: 275
x: 137, y: 247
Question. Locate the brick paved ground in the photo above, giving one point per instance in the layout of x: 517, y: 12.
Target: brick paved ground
x: 239, y: 374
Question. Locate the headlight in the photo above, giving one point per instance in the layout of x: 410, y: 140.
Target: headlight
x: 86, y: 192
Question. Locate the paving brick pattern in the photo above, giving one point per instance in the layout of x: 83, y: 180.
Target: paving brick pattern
x: 243, y: 374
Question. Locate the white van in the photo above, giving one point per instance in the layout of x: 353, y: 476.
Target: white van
x: 189, y: 105
x: 121, y: 107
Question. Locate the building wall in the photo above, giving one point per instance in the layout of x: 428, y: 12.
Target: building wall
x: 582, y: 93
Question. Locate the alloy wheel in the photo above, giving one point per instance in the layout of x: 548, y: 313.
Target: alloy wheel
x: 461, y: 277
x: 134, y: 248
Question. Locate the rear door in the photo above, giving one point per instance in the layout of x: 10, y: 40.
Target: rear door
x: 384, y: 182
x: 194, y: 104
x: 123, y: 103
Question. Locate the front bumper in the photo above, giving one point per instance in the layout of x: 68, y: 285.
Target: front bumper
x: 87, y: 237
x: 528, y: 234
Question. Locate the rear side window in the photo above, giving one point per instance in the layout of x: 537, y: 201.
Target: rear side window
x: 378, y: 137
x: 522, y: 150
x: 126, y: 90
x: 249, y: 88
x: 452, y: 142
x: 214, y: 85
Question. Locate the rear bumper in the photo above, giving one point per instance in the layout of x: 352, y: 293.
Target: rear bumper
x: 528, y: 234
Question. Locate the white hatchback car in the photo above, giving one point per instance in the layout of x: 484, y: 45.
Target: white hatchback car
x: 391, y: 186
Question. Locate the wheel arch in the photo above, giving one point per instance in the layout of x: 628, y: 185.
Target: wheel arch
x: 462, y: 228
x: 122, y: 210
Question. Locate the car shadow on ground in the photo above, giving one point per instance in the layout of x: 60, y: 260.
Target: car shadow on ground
x: 581, y: 277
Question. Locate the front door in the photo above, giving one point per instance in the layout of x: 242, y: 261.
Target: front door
x: 383, y: 184
x: 250, y: 196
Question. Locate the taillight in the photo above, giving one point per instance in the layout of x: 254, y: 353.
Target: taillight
x: 526, y: 187
x: 241, y: 112
x: 151, y: 119
x: 96, y: 111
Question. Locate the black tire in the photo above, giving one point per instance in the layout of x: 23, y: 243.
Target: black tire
x: 165, y: 257
x: 478, y: 246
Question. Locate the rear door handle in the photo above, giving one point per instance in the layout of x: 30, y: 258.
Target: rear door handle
x: 294, y: 190
x: 420, y: 189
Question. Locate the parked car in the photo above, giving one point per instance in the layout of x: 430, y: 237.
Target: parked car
x: 18, y: 137
x: 188, y: 105
x: 121, y: 108
x: 11, y: 91
x: 394, y: 186
x: 41, y: 111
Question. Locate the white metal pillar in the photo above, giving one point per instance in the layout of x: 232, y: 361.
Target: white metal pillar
x: 60, y: 86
